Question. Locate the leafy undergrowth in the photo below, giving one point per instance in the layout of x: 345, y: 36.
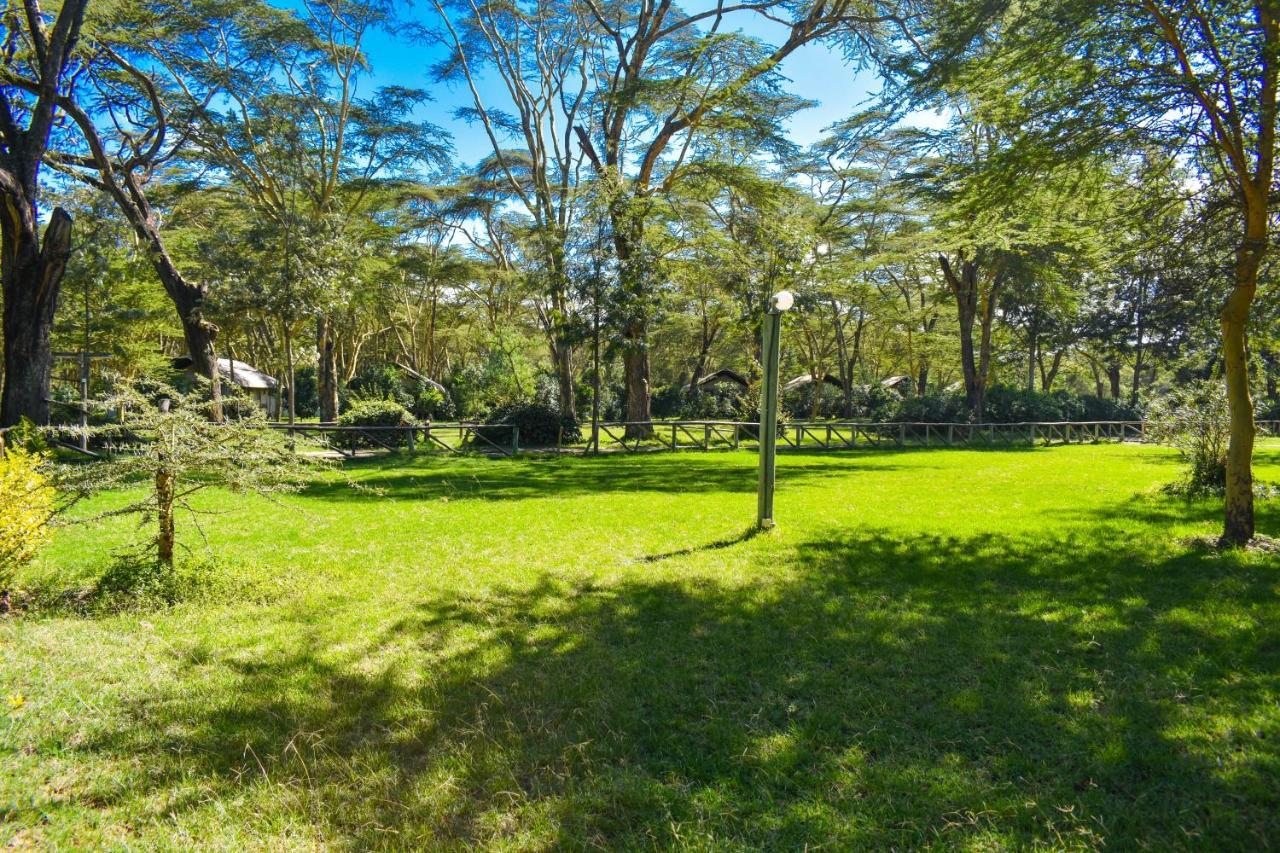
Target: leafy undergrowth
x: 950, y: 648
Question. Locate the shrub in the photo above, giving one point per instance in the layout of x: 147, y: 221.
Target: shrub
x: 713, y: 402
x: 26, y: 504
x: 936, y: 408
x: 377, y: 413
x: 1006, y: 404
x: 539, y: 425
x: 432, y: 405
x: 1195, y: 420
x: 875, y: 402
x: 236, y: 404
x: 306, y: 403
x: 798, y: 403
x: 389, y: 382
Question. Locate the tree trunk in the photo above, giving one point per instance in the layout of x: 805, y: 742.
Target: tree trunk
x: 709, y: 333
x: 326, y: 370
x: 633, y: 286
x: 1032, y: 360
x: 1047, y: 376
x: 32, y: 278
x: 1113, y: 377
x: 290, y: 373
x: 564, y: 380
x: 164, y: 515
x: 1238, y: 523
x: 964, y: 287
x: 635, y: 369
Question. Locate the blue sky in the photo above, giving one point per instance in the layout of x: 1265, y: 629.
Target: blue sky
x: 816, y: 72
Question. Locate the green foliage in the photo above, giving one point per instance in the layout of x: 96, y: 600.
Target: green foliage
x: 26, y: 506
x: 1195, y: 420
x: 716, y: 401
x: 179, y: 453
x: 503, y: 376
x: 389, y: 382
x: 540, y: 425
x: 374, y: 412
x: 25, y: 436
x: 940, y: 407
x: 1006, y: 404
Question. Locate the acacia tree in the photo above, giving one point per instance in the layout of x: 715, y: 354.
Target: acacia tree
x: 37, y: 65
x: 143, y: 55
x: 665, y: 79
x: 539, y: 52
x: 297, y: 139
x: 1196, y: 78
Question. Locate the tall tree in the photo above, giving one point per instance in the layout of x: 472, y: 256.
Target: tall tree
x: 539, y: 51
x: 665, y: 79
x: 37, y: 63
x: 1199, y: 78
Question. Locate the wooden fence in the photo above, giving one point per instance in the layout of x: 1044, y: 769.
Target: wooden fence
x: 714, y: 434
x: 669, y: 435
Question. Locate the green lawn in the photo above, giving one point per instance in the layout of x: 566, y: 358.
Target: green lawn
x: 953, y: 648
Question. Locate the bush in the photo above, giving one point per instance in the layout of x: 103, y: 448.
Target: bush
x: 388, y: 382
x: 1195, y: 420
x: 937, y: 408
x: 715, y: 402
x: 26, y: 504
x: 539, y: 425
x: 798, y: 403
x: 306, y: 403
x: 238, y: 405
x: 377, y: 413
x: 1006, y: 404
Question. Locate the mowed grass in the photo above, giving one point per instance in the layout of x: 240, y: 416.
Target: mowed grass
x: 949, y: 648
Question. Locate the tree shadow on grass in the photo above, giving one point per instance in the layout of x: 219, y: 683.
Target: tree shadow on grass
x: 536, y: 477
x: 881, y: 692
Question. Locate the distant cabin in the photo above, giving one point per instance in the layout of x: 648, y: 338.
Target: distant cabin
x: 260, y: 387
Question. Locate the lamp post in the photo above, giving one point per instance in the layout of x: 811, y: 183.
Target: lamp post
x: 772, y: 332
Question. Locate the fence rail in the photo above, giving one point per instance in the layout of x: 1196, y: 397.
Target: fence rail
x: 645, y: 436
x: 674, y: 435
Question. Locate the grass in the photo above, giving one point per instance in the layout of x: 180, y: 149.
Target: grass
x: 978, y: 649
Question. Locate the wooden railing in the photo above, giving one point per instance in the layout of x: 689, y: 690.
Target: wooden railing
x: 641, y: 436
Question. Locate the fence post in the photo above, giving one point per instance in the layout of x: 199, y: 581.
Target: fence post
x: 515, y: 440
x: 412, y: 430
x: 950, y: 434
x: 735, y: 435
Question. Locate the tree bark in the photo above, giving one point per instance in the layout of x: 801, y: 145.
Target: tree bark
x: 31, y: 273
x: 164, y: 515
x: 634, y: 289
x: 564, y: 380
x: 970, y: 303
x: 32, y: 278
x: 326, y: 370
x: 1238, y: 521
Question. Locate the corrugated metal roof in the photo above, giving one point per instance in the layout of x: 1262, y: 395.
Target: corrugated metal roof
x: 245, y: 375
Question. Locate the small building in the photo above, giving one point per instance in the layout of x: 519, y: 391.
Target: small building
x: 809, y: 378
x: 259, y: 387
x: 904, y: 385
x: 724, y: 375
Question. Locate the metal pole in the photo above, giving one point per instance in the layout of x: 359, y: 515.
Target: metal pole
x: 769, y: 418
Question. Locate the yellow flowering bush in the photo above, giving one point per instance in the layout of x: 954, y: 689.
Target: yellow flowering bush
x: 26, y: 504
